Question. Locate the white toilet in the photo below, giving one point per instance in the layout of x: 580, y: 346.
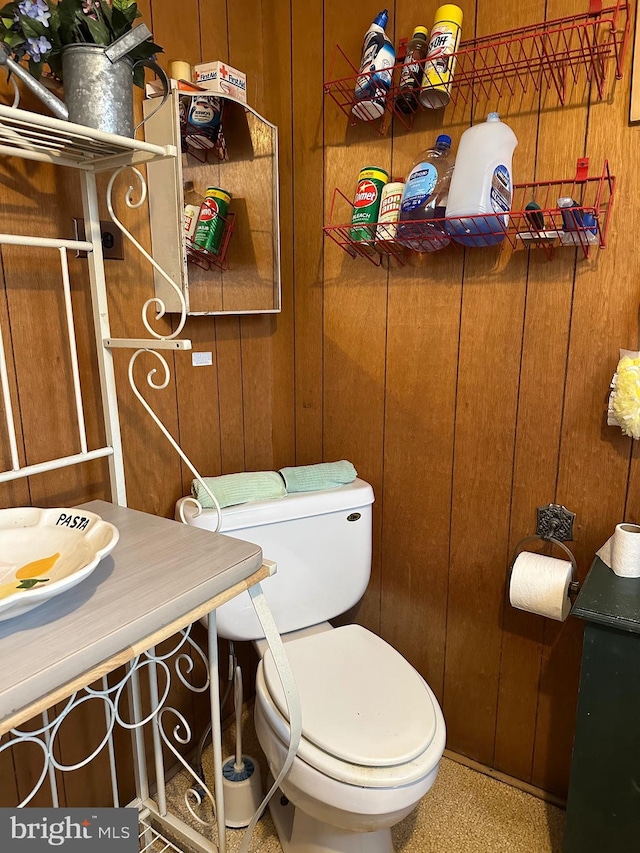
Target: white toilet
x: 373, y: 733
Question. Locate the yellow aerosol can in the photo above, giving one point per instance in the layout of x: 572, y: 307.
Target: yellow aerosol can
x: 439, y: 65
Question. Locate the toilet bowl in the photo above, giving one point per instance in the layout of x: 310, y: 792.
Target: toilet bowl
x: 373, y: 733
x: 373, y: 736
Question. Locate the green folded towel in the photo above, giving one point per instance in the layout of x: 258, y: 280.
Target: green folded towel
x: 325, y: 475
x: 231, y: 489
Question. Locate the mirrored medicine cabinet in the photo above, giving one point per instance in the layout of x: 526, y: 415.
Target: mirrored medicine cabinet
x: 244, y: 277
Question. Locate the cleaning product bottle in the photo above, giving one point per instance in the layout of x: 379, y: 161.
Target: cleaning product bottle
x: 481, y: 184
x: 192, y: 204
x: 440, y: 64
x: 425, y: 198
x: 376, y: 68
x: 412, y: 71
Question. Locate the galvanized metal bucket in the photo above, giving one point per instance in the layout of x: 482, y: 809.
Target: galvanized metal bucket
x: 99, y: 92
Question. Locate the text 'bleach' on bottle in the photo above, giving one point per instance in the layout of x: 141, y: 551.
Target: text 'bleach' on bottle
x: 376, y: 69
x: 481, y: 187
x: 425, y: 198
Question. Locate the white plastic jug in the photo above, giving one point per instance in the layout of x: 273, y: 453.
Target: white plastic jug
x: 481, y: 184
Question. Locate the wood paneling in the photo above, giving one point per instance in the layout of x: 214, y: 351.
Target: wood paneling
x: 468, y: 387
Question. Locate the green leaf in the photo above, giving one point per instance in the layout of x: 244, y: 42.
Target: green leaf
x: 119, y: 22
x: 54, y: 20
x: 32, y: 29
x: 55, y: 63
x: 8, y: 11
x: 146, y: 50
x: 14, y: 40
x: 99, y: 31
x: 138, y: 76
x: 29, y: 583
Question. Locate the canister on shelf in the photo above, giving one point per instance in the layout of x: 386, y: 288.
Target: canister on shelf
x: 440, y: 62
x: 366, y: 204
x: 192, y: 205
x: 204, y: 120
x: 389, y: 214
x: 179, y: 69
x: 211, y: 220
x: 191, y: 213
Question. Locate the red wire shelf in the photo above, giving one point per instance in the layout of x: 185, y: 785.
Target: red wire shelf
x: 551, y: 55
x: 206, y: 260
x: 202, y: 151
x: 547, y: 227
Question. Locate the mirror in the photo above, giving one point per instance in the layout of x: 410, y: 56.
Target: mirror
x: 242, y: 274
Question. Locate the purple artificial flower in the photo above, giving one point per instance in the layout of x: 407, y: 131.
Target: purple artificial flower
x: 36, y: 9
x: 38, y: 47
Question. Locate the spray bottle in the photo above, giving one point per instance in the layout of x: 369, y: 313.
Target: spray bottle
x: 376, y: 68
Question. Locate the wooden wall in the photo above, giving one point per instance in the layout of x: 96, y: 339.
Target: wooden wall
x: 468, y: 390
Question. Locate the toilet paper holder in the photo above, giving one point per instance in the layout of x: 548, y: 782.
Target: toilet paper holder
x: 555, y: 525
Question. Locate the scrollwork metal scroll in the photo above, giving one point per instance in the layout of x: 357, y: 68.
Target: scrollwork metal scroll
x: 155, y: 300
x: 158, y: 385
x: 45, y: 736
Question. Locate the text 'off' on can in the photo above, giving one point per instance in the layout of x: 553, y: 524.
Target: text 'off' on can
x: 366, y: 204
x: 440, y: 63
x: 211, y: 219
x: 389, y: 213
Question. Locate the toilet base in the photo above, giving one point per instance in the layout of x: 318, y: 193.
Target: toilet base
x: 300, y: 833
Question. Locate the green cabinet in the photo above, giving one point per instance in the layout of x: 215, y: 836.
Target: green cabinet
x: 603, y: 807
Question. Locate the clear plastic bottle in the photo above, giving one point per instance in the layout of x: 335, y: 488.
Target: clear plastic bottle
x: 376, y: 68
x: 481, y: 188
x: 425, y: 198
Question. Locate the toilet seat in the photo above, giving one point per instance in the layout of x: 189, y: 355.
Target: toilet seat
x: 382, y: 728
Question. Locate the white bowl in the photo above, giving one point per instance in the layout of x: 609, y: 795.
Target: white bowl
x: 45, y: 552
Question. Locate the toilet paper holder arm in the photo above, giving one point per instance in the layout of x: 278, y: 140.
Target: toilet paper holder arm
x: 574, y: 586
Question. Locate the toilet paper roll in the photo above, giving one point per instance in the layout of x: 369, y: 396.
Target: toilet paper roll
x: 179, y: 70
x: 622, y: 551
x: 540, y: 584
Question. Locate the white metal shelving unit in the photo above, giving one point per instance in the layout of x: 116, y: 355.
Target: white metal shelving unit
x: 36, y: 137
x: 48, y: 140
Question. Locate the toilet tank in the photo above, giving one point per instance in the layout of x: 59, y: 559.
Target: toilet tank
x: 321, y: 542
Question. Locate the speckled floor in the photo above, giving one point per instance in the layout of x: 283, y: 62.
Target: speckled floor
x: 464, y: 812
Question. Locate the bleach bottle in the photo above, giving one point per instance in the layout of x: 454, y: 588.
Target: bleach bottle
x: 376, y: 66
x: 481, y: 184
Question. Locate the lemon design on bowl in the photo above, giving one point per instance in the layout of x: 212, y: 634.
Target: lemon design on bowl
x: 28, y: 575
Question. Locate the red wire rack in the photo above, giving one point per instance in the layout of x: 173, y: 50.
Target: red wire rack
x: 202, y: 151
x: 547, y: 227
x: 553, y: 54
x: 204, y: 259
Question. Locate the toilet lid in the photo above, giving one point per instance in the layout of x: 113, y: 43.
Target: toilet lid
x: 362, y: 702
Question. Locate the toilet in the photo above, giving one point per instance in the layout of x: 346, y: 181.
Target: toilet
x: 373, y: 733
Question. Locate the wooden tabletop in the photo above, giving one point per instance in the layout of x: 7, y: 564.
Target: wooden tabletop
x: 160, y: 577
x: 608, y: 599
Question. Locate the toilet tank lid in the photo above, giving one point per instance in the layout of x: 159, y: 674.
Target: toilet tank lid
x: 291, y: 506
